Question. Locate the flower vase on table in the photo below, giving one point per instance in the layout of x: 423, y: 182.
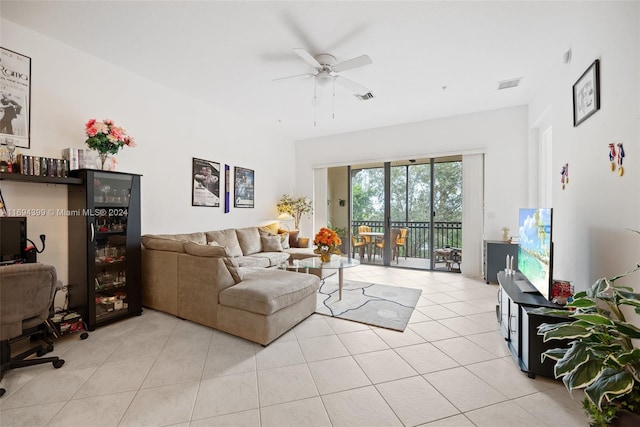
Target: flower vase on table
x: 327, y: 242
x: 103, y: 160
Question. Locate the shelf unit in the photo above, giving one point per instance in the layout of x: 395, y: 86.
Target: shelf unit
x: 519, y: 325
x: 495, y: 254
x: 6, y: 176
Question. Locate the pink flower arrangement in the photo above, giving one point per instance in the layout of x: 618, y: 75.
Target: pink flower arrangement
x: 107, y: 138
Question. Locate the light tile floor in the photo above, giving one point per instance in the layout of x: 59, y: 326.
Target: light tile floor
x: 450, y: 367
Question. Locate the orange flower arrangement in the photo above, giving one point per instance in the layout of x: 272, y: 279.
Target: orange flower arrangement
x: 327, y: 242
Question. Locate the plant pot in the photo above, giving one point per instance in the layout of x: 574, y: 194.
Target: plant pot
x: 626, y: 419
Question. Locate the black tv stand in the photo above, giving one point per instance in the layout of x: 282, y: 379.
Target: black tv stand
x: 519, y: 320
x: 525, y: 286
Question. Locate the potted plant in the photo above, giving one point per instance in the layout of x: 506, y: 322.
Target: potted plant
x: 296, y: 207
x: 601, y: 357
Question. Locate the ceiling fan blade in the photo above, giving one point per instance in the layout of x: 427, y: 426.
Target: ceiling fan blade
x: 307, y: 57
x: 358, y: 61
x: 351, y: 85
x: 293, y: 77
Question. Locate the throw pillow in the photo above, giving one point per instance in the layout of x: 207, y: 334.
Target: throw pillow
x: 271, y: 244
x: 284, y: 238
x: 249, y: 239
x: 270, y: 228
x: 226, y: 238
x: 216, y: 252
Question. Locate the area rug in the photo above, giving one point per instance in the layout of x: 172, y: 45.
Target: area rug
x: 378, y: 305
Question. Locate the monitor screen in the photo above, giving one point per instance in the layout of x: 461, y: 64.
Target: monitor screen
x: 535, y: 247
x: 13, y: 238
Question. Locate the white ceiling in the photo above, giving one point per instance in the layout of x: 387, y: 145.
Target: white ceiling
x: 430, y: 59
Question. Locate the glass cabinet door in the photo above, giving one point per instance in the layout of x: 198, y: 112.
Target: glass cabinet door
x: 111, y: 195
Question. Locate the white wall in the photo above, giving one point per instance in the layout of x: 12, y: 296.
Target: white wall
x: 69, y: 87
x: 593, y: 213
x: 501, y: 134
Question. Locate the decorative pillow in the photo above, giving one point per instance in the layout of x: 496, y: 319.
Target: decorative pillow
x: 284, y: 238
x: 271, y: 244
x: 226, y: 238
x: 271, y: 228
x: 293, y: 238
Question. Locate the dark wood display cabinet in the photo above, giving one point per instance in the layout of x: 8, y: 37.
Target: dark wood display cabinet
x: 104, y: 246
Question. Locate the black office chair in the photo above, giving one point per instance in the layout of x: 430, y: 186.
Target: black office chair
x: 26, y: 302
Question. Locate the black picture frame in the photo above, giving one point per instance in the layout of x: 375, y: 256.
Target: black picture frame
x: 243, y: 187
x: 205, y: 183
x: 586, y: 94
x: 15, y: 98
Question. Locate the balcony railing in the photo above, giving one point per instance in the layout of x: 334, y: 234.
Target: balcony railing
x: 445, y: 234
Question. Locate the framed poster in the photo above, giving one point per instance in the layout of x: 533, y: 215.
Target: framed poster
x: 15, y: 98
x: 205, y: 183
x: 243, y: 186
x: 586, y: 94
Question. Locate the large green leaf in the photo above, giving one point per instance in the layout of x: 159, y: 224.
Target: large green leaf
x: 553, y: 354
x: 600, y: 286
x: 566, y: 331
x: 582, y: 303
x: 551, y: 327
x: 610, y: 384
x: 575, y: 356
x: 628, y: 329
x: 580, y: 294
x: 594, y: 319
x: 584, y: 374
x: 629, y: 357
x: 631, y: 302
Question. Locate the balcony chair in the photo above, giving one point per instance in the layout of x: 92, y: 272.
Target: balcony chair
x: 357, y: 243
x: 27, y: 292
x: 367, y: 239
x: 395, y: 233
x: 402, y: 241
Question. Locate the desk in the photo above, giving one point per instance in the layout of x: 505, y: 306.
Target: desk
x: 375, y: 234
x: 335, y: 264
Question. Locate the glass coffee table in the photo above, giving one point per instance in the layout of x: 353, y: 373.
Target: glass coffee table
x: 335, y: 264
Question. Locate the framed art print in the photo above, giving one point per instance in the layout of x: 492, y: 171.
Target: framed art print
x: 243, y: 187
x: 586, y: 94
x: 15, y: 98
x: 205, y: 183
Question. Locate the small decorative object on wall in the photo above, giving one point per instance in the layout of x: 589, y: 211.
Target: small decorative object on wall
x: 107, y: 139
x: 327, y: 243
x: 505, y: 234
x: 616, y: 157
x: 586, y: 94
x: 15, y: 98
x: 564, y: 175
x: 243, y: 187
x: 205, y: 183
x: 227, y: 187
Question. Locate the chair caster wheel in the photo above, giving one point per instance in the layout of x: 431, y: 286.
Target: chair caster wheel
x: 84, y: 336
x: 41, y: 352
x: 2, y: 392
x: 58, y: 363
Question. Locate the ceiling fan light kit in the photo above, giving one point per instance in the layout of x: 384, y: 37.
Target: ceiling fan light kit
x: 327, y: 72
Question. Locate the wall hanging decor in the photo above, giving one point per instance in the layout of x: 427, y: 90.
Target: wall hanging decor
x: 205, y: 183
x: 227, y: 187
x: 586, y: 94
x: 15, y: 98
x: 616, y: 155
x: 564, y: 175
x: 243, y: 187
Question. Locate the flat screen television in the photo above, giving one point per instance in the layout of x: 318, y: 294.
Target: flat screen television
x: 535, y: 248
x: 13, y: 239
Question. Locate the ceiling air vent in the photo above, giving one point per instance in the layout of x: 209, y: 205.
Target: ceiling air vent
x: 506, y: 84
x: 364, y: 97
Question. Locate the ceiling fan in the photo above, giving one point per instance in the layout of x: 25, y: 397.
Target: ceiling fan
x: 327, y: 71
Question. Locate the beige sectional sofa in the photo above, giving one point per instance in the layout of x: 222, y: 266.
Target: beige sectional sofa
x: 226, y: 279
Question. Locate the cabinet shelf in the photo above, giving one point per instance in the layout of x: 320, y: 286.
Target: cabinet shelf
x: 6, y: 176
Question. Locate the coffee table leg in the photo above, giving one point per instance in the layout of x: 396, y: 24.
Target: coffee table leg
x: 340, y: 284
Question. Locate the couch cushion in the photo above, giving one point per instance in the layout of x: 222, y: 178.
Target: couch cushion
x: 197, y: 237
x: 267, y: 291
x: 226, y: 238
x: 275, y: 258
x: 252, y: 261
x: 162, y: 243
x: 196, y: 249
x: 271, y: 243
x: 249, y: 239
